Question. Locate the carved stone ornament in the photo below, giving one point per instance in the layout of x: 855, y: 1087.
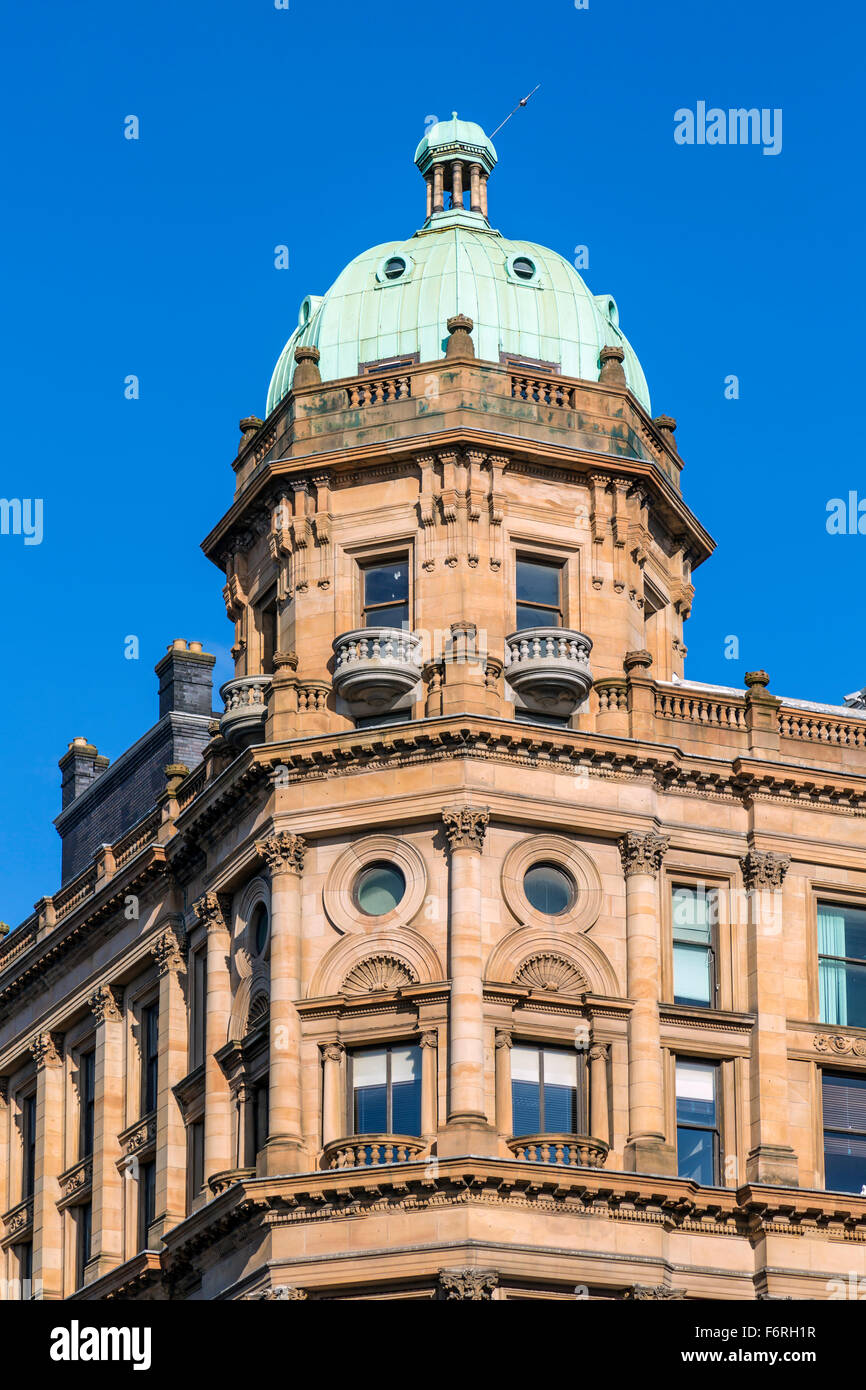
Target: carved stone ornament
x: 474, y: 1284
x: 764, y: 870
x: 47, y: 1049
x: 20, y: 1218
x: 169, y: 950
x: 642, y: 853
x: 284, y: 1293
x: 466, y: 826
x: 77, y: 1179
x: 212, y: 909
x: 283, y: 853
x: 839, y: 1045
x: 550, y: 972
x: 378, y: 974
x: 643, y: 1292
x: 106, y: 1004
x: 333, y: 1052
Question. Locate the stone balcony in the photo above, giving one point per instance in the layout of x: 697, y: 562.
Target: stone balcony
x: 246, y: 709
x: 566, y: 1150
x: 371, y: 1150
x: 548, y: 669
x: 376, y: 668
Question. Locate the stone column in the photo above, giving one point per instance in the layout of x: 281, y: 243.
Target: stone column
x: 284, y: 1151
x: 484, y: 193
x: 468, y: 1129
x: 333, y: 1097
x: 646, y: 1150
x: 475, y: 187
x: 438, y: 188
x: 504, y: 1119
x: 429, y: 1043
x: 771, y: 1158
x: 429, y: 182
x: 456, y: 184
x: 106, y: 1243
x: 47, y: 1048
x: 599, y: 1125
x: 246, y: 1148
x: 169, y: 951
x: 217, y: 1095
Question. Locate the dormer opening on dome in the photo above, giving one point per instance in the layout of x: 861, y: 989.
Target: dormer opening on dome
x: 456, y: 157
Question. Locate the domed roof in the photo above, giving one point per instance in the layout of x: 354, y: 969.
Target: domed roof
x: 394, y: 300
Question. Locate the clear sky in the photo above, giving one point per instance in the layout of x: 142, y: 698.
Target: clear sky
x: 262, y: 126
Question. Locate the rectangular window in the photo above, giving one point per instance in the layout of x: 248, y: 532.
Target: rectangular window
x: 83, y: 1230
x: 199, y: 1010
x: 695, y: 913
x: 698, y: 1155
x: 385, y: 594
x: 28, y: 1127
x: 87, y: 1092
x: 386, y: 1090
x: 195, y: 1159
x: 842, y: 964
x: 545, y: 1090
x: 149, y: 1058
x: 25, y: 1270
x: 260, y: 1114
x: 268, y: 626
x: 146, y: 1201
x: 539, y: 594
x: 844, y: 1132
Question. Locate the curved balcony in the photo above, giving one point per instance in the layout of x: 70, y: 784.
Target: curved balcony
x: 371, y: 1150
x: 221, y: 1182
x: 246, y: 709
x: 548, y: 667
x: 374, y: 667
x: 566, y: 1150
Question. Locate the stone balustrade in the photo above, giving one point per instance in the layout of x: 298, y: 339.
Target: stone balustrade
x: 549, y: 668
x: 246, y: 708
x: 567, y: 1150
x: 375, y: 666
x: 371, y: 1150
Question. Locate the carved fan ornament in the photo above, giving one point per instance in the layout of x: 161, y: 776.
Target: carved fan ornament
x: 258, y: 1011
x: 551, y: 972
x: 377, y: 975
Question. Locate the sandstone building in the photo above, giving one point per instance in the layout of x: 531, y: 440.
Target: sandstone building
x: 470, y: 951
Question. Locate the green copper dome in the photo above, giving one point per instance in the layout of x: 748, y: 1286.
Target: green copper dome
x: 394, y: 300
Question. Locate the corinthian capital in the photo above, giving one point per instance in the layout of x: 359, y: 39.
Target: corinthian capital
x: 169, y: 950
x: 47, y: 1049
x: 106, y: 1004
x: 283, y: 853
x: 212, y: 909
x: 642, y: 853
x: 764, y: 870
x: 466, y: 826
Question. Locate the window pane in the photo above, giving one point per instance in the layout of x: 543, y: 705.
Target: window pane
x: 560, y: 1067
x: 379, y: 888
x: 370, y: 1068
x: 395, y: 615
x: 560, y: 1109
x: 695, y: 912
x: 405, y: 1064
x: 386, y: 583
x: 842, y: 993
x: 696, y: 1155
x: 526, y: 1107
x: 538, y: 583
x: 525, y: 1063
x: 696, y: 1093
x: 371, y: 1110
x: 842, y: 931
x: 692, y: 975
x: 844, y: 1102
x: 406, y: 1090
x: 549, y: 889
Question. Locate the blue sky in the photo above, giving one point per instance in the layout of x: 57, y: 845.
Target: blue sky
x: 261, y: 127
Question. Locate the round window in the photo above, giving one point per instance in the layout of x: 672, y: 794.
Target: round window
x: 549, y: 889
x: 259, y: 928
x: 523, y: 267
x: 394, y: 267
x: 379, y: 888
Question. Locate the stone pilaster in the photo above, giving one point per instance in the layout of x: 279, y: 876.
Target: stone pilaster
x: 429, y: 1043
x: 599, y: 1123
x: 646, y: 1150
x: 218, y: 1102
x: 333, y: 1093
x: 504, y: 1119
x: 771, y: 1159
x: 283, y: 853
x: 47, y: 1049
x: 467, y: 1129
x: 106, y: 1242
x: 169, y: 951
